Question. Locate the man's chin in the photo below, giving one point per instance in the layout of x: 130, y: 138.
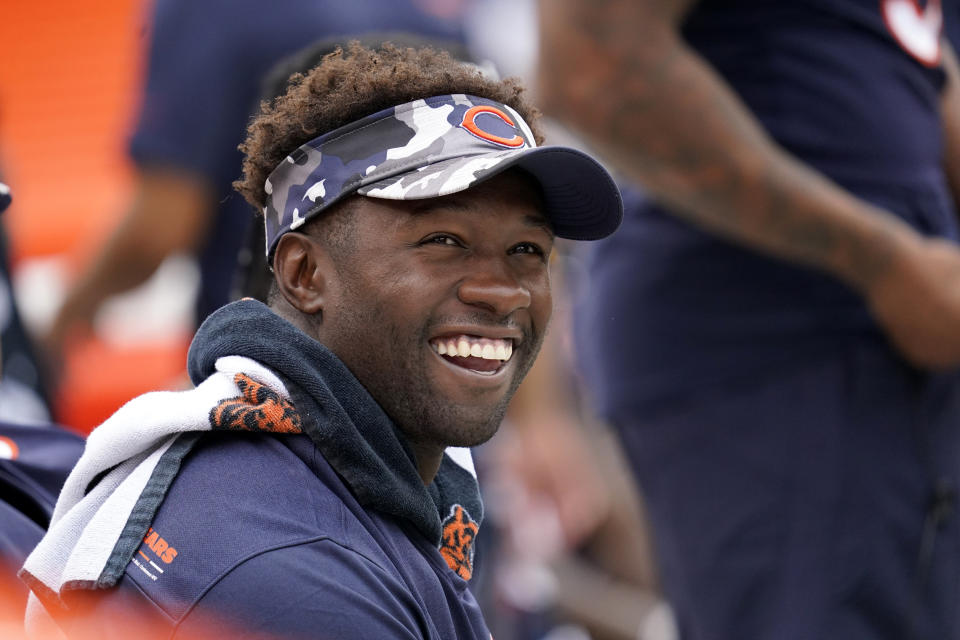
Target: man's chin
x: 475, y: 438
x: 464, y: 428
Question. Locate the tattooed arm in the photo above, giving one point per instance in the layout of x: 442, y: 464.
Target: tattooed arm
x: 620, y: 72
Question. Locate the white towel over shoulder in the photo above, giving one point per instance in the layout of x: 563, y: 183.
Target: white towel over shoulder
x: 85, y: 527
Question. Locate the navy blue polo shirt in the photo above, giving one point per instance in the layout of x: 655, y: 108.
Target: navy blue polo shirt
x: 330, y: 534
x: 258, y: 534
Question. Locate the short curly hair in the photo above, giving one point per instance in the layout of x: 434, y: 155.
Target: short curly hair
x: 348, y: 85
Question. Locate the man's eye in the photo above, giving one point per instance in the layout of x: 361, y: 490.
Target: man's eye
x: 443, y: 239
x: 529, y: 248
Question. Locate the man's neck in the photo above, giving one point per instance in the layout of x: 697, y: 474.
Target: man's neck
x: 428, y: 458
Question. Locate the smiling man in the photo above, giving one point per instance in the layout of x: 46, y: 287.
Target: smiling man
x: 458, y: 292
x: 316, y: 482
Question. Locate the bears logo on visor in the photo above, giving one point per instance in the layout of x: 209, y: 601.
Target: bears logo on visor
x: 470, y: 124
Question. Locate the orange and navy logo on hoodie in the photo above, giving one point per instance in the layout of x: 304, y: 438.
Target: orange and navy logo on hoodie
x: 456, y: 543
x: 260, y: 408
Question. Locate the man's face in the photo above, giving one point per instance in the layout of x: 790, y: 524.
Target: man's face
x: 425, y: 282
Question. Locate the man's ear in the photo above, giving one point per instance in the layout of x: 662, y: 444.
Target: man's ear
x: 301, y: 267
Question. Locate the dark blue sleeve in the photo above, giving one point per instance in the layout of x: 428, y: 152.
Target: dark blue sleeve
x: 194, y: 102
x: 206, y: 61
x: 35, y: 473
x: 18, y: 536
x: 319, y: 589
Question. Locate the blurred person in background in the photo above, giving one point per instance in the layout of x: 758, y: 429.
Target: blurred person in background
x: 573, y: 558
x: 569, y: 555
x: 35, y: 459
x: 23, y: 396
x: 206, y: 62
x: 775, y: 333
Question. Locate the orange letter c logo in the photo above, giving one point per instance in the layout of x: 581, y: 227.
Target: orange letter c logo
x: 469, y: 123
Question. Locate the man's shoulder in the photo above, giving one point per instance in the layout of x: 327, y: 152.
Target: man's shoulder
x: 296, y: 590
x: 287, y: 591
x: 247, y: 499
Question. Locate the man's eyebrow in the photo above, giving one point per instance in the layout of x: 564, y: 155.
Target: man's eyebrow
x: 429, y: 205
x: 539, y: 221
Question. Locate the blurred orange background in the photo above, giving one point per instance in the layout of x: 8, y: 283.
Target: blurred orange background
x: 70, y: 78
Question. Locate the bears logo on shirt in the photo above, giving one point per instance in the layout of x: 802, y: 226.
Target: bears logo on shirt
x: 8, y: 449
x: 159, y: 546
x: 456, y: 543
x: 917, y: 29
x: 162, y: 551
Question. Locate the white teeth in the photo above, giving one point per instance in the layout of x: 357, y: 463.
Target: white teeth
x: 470, y: 346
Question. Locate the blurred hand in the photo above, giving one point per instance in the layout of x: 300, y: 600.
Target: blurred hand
x: 68, y: 327
x: 556, y: 463
x: 917, y: 302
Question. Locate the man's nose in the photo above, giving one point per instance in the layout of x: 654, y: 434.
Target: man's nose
x: 492, y: 285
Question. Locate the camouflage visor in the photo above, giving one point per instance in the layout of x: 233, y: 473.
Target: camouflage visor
x: 434, y: 147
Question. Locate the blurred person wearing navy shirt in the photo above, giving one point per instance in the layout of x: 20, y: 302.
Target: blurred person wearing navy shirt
x: 205, y: 65
x: 775, y: 330
x: 35, y: 458
x: 23, y: 394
